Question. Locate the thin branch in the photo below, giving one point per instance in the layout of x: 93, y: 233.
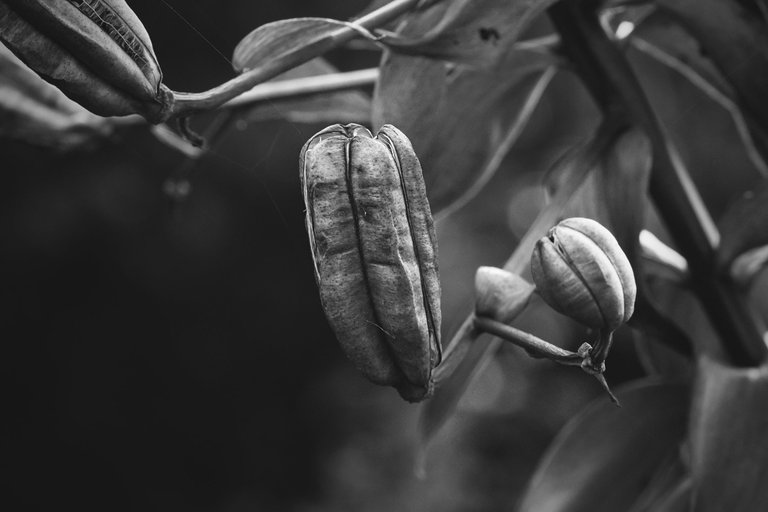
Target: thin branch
x: 304, y: 86
x: 533, y: 344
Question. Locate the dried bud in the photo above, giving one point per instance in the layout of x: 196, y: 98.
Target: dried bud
x: 375, y: 253
x: 96, y: 51
x: 499, y: 294
x: 580, y: 270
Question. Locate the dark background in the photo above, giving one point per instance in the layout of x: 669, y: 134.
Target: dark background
x: 175, y: 357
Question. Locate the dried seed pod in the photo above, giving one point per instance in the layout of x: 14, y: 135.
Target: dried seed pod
x: 96, y: 51
x: 580, y: 270
x: 375, y: 253
x: 500, y: 294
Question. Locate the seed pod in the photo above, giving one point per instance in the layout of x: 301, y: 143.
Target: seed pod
x: 375, y: 253
x: 580, y: 270
x: 96, y: 51
x: 500, y: 294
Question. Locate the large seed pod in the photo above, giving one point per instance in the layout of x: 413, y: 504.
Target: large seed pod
x: 96, y: 51
x: 580, y: 270
x: 375, y: 253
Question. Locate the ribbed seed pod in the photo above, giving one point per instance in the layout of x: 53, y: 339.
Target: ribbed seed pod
x: 96, y: 51
x: 375, y: 253
x: 580, y: 270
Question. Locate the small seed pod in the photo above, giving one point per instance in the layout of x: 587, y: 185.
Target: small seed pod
x: 375, y: 253
x: 499, y: 294
x: 580, y: 270
x: 96, y: 51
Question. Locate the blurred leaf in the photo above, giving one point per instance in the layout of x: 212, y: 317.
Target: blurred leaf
x: 616, y: 194
x: 667, y: 42
x: 425, y: 98
x: 477, y: 33
x: 286, y: 41
x: 729, y: 445
x: 38, y: 113
x: 677, y: 500
x: 744, y: 225
x: 736, y: 41
x: 661, y: 32
x: 748, y: 264
x: 603, y: 458
x: 666, y: 262
x: 466, y: 355
x: 332, y: 107
x: 664, y: 488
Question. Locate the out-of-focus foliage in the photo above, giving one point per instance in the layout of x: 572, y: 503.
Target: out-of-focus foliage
x: 37, y: 112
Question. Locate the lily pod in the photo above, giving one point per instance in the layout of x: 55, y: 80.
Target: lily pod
x: 580, y: 270
x: 375, y: 253
x: 96, y: 51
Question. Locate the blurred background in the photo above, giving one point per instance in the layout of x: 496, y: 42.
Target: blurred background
x: 163, y: 356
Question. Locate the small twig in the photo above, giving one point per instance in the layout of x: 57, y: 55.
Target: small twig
x: 538, y: 347
x: 528, y: 341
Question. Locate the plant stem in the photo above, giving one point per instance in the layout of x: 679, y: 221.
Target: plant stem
x: 305, y: 86
x: 538, y: 347
x: 533, y: 344
x: 614, y: 87
x: 187, y: 103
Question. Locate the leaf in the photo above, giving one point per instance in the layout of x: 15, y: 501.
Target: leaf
x: 424, y: 98
x: 744, y: 225
x: 736, y: 41
x: 333, y: 107
x: 466, y: 355
x: 662, y: 33
x: 38, y: 113
x: 665, y: 41
x: 729, y: 445
x: 478, y: 33
x: 663, y: 485
x: 748, y: 264
x: 291, y: 41
x: 604, y: 457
